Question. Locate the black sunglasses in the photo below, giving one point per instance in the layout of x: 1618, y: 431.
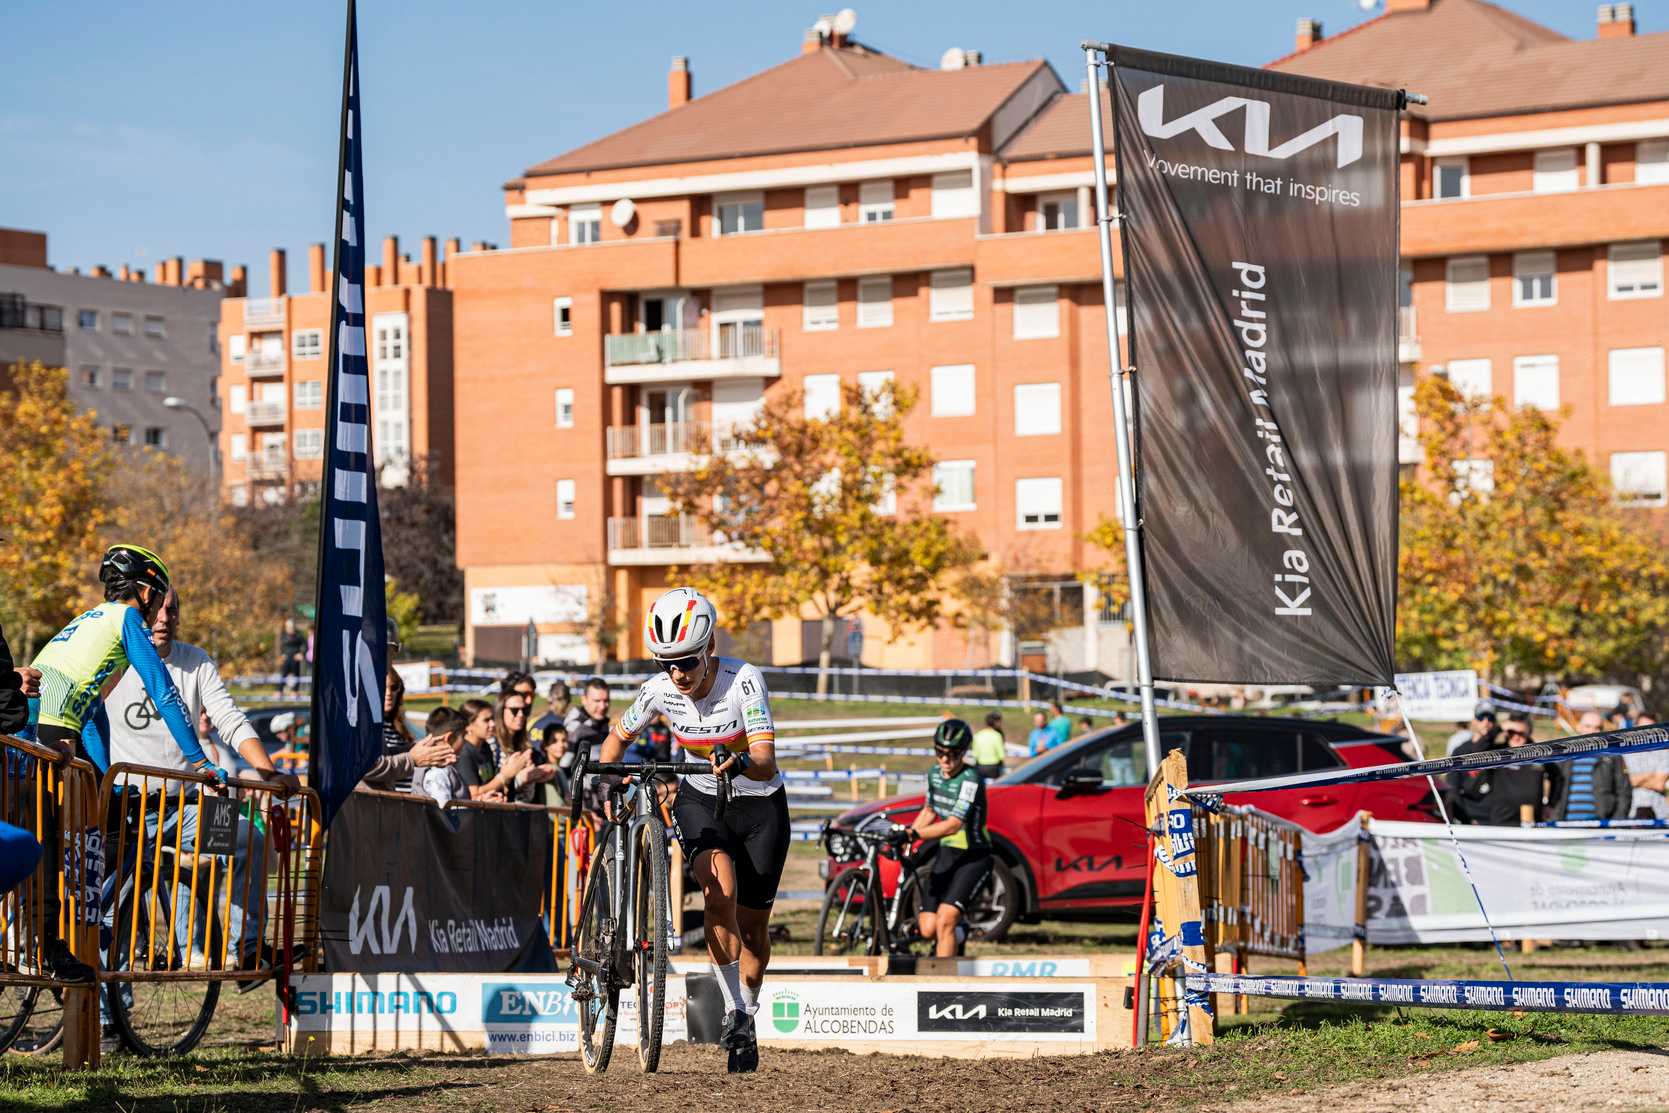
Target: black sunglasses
x: 682, y: 664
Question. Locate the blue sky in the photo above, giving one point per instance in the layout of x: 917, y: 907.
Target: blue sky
x: 132, y: 131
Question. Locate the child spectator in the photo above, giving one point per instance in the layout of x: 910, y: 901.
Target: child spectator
x: 444, y: 783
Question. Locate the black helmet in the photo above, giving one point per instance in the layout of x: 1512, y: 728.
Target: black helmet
x: 127, y: 566
x: 953, y: 735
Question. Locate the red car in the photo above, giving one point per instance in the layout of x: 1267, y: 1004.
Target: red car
x: 1068, y: 829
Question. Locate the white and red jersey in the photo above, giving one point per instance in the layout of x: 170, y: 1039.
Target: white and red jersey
x: 735, y: 712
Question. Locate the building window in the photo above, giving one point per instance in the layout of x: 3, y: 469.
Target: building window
x: 585, y: 224
x: 310, y: 444
x: 240, y: 446
x: 236, y: 345
x: 952, y: 390
x: 822, y: 206
x: 874, y: 385
x: 953, y: 195
x: 564, y: 407
x: 822, y: 396
x: 88, y: 320
x: 155, y: 437
x: 1036, y: 313
x: 1651, y: 162
x: 887, y: 504
x: 875, y: 202
x: 952, y: 295
x: 121, y: 324
x: 240, y: 494
x: 1057, y: 211
x: 564, y: 498
x: 1555, y: 171
x: 1037, y: 503
x: 308, y: 343
x: 1638, y: 479
x: 90, y: 377
x: 391, y: 339
x: 121, y: 378
x: 1467, y: 289
x: 1451, y: 179
x: 875, y: 302
x: 562, y: 316
x: 1636, y: 270
x: 310, y: 394
x: 739, y: 212
x: 121, y: 434
x: 1636, y: 376
x: 1536, y: 382
x: 1476, y: 475
x: 953, y: 485
x: 1534, y: 279
x: 1037, y: 409
x: 1472, y: 378
x: 240, y: 399
x: 156, y: 382
x: 822, y: 307
x: 154, y: 326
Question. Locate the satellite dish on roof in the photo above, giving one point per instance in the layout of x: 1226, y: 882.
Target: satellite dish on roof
x: 953, y: 59
x: 824, y: 26
x: 845, y: 20
x: 622, y: 212
x: 1367, y: 5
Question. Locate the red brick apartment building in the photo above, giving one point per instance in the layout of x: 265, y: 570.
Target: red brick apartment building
x: 845, y: 217
x: 274, y: 352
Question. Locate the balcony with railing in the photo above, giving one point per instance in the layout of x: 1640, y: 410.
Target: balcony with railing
x: 669, y: 539
x: 647, y: 449
x: 264, y: 413
x: 263, y: 313
x: 1408, y: 335
x: 260, y: 364
x: 268, y: 466
x: 731, y: 350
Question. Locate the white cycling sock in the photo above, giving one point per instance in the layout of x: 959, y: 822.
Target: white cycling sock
x: 750, y: 999
x: 730, y: 984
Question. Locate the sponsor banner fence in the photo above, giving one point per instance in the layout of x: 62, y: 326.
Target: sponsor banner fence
x: 1640, y: 998
x: 410, y: 887
x: 520, y: 1015
x: 1259, y: 223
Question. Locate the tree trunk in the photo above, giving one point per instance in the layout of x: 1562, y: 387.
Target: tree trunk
x: 825, y: 655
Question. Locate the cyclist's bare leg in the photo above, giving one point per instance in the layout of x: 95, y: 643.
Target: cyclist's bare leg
x: 755, y: 930
x: 927, y: 925
x: 946, y: 919
x: 717, y: 875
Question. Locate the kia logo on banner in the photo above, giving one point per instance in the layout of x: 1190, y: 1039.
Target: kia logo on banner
x: 955, y: 1012
x: 1150, y: 109
x: 363, y: 936
x: 1059, y: 1012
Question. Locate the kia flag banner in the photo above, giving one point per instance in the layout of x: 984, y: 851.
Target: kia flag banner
x: 350, y: 648
x: 1259, y: 224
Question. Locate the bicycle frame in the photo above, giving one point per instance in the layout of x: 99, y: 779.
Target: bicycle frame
x: 622, y: 865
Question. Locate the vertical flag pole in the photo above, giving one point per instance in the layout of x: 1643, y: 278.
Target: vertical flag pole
x: 1121, y: 427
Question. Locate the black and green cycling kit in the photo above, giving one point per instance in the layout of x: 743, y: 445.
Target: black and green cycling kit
x: 959, y: 797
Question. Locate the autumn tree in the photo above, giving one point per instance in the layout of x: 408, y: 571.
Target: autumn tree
x: 1515, y: 556
x: 832, y: 505
x: 55, y: 463
x: 420, y: 542
x: 1108, y: 575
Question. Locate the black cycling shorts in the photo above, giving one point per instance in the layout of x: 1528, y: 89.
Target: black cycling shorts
x: 957, y: 874
x: 754, y: 834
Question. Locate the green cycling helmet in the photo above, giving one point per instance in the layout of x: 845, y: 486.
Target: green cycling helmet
x: 953, y: 735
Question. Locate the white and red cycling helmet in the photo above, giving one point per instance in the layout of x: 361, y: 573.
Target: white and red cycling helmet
x: 680, y: 624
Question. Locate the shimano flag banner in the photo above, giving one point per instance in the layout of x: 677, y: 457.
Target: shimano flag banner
x: 412, y: 888
x: 1259, y: 224
x: 350, y: 648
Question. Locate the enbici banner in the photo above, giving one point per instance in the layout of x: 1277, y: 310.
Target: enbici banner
x: 1258, y: 213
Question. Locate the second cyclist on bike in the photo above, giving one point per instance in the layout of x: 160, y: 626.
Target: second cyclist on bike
x: 708, y: 701
x: 954, y: 814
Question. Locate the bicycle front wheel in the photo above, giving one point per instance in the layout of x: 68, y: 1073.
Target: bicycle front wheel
x: 650, y: 893
x: 31, y: 1019
x: 850, y: 920
x: 162, y: 1018
x: 596, y: 986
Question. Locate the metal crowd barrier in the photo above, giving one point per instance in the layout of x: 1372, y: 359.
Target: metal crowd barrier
x: 55, y: 800
x: 1251, y: 885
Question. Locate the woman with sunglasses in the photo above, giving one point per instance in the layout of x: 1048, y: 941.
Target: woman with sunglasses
x: 527, y: 784
x: 710, y: 700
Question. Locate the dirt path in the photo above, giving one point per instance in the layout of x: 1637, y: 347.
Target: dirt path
x: 1608, y: 1080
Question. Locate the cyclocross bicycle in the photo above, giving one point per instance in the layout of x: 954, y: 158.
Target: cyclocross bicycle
x: 625, y: 914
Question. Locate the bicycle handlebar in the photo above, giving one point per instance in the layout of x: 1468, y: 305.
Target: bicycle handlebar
x: 584, y: 765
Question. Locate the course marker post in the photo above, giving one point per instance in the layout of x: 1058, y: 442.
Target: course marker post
x: 1364, y: 864
x: 1178, y: 932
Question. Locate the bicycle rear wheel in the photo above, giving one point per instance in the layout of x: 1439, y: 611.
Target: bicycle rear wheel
x: 650, y: 893
x: 31, y: 1019
x: 596, y: 987
x: 157, y: 1018
x: 850, y: 920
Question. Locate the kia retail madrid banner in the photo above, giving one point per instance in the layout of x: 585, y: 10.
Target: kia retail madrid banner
x: 1259, y: 223
x: 406, y: 892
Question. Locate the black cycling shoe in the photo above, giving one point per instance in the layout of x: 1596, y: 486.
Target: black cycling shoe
x: 738, y: 1038
x: 65, y: 967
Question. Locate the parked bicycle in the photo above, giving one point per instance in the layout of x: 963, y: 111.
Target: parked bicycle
x: 857, y: 918
x: 625, y: 913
